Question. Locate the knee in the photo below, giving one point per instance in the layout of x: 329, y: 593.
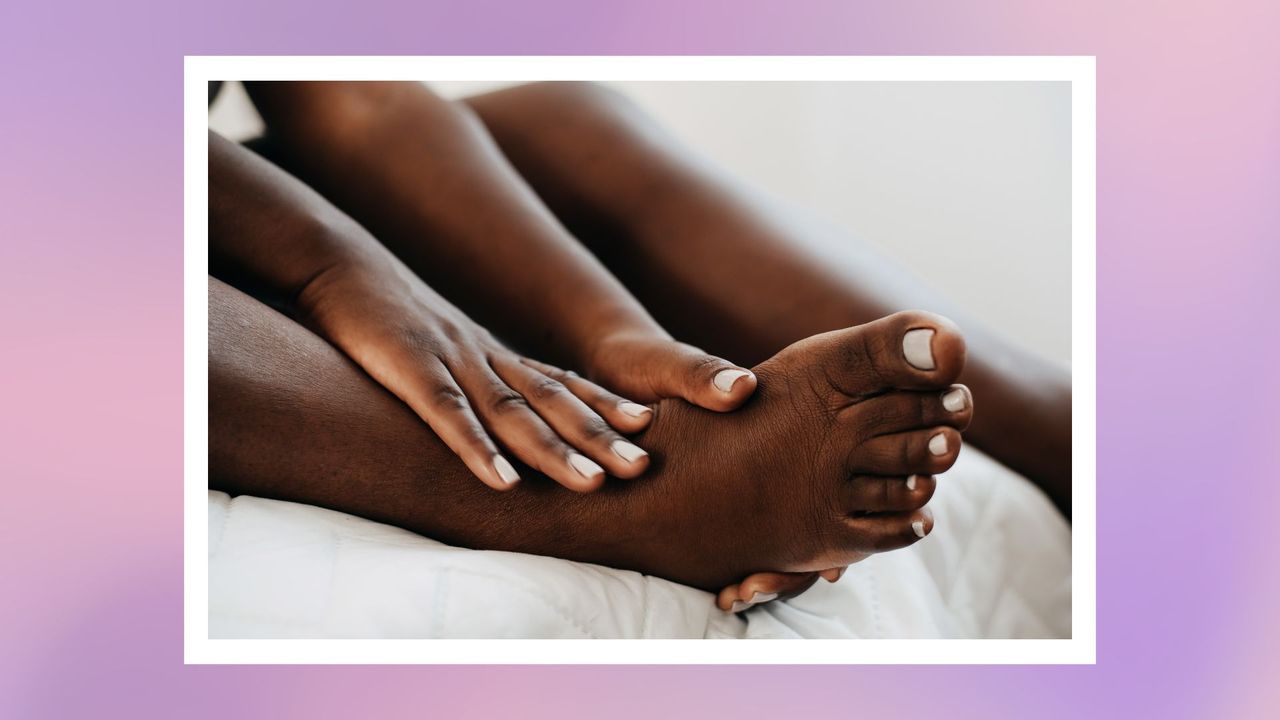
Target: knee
x: 557, y: 98
x: 581, y: 95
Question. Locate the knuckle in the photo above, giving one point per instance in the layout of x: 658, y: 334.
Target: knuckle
x: 546, y: 388
x: 706, y: 364
x: 448, y: 397
x: 453, y: 332
x: 504, y: 401
x: 418, y: 339
x: 594, y: 428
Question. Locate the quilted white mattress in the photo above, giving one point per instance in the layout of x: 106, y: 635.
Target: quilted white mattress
x: 997, y: 566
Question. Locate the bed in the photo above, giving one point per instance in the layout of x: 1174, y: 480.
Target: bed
x: 998, y: 565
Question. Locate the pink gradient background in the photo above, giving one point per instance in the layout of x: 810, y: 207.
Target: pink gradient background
x: 91, y: 423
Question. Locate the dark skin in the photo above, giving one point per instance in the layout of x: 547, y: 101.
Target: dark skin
x: 423, y: 176
x: 273, y: 235
x: 652, y: 194
x: 678, y: 233
x: 276, y: 237
x: 681, y: 234
x: 780, y: 484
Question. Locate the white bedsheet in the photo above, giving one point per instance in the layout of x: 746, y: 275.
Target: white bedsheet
x: 996, y: 566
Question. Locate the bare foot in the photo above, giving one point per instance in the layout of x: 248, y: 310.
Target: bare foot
x: 831, y: 460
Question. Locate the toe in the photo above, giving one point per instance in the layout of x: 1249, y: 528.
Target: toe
x: 906, y: 350
x: 764, y: 587
x: 869, y: 493
x: 924, y: 452
x: 908, y: 410
x: 882, y: 533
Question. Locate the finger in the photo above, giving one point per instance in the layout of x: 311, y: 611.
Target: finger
x: 436, y: 397
x: 683, y: 371
x: 571, y: 419
x: 624, y: 415
x: 510, y: 419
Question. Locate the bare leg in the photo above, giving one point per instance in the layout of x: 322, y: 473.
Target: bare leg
x: 682, y: 236
x: 291, y: 418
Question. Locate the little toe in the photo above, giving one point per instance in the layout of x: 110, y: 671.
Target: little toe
x: 764, y: 587
x: 875, y: 494
x: 908, y: 410
x: 924, y: 452
x: 907, y: 350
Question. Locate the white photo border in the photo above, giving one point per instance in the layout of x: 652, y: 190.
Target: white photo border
x: 199, y: 648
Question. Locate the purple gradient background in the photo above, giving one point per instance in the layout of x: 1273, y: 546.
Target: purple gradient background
x: 91, y: 411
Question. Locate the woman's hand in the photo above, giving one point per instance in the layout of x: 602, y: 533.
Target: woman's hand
x: 280, y: 238
x: 468, y: 387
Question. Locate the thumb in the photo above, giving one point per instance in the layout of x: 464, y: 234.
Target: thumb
x: 707, y: 381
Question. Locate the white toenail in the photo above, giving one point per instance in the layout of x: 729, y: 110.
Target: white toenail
x: 757, y: 598
x: 911, y: 482
x: 938, y: 444
x: 634, y: 409
x: 917, y: 346
x: 739, y: 606
x: 507, y: 473
x: 725, y: 379
x: 627, y: 451
x: 585, y: 466
x: 918, y: 528
x: 954, y: 401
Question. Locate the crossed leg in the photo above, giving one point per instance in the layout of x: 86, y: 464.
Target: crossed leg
x: 682, y: 235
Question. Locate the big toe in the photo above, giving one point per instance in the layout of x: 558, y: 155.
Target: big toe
x: 910, y: 350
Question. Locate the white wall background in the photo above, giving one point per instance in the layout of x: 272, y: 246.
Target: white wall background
x: 967, y: 183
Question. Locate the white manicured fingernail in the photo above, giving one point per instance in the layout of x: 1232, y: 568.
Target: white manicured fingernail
x: 725, y: 379
x: 585, y: 466
x: 505, y: 471
x: 911, y: 482
x: 955, y: 400
x: 627, y: 451
x: 739, y: 606
x: 917, y: 527
x: 757, y: 598
x: 938, y: 444
x: 634, y: 409
x: 917, y: 346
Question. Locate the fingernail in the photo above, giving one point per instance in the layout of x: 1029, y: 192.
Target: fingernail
x: 758, y: 597
x: 917, y: 527
x: 725, y: 379
x: 954, y: 401
x: 917, y: 346
x: 627, y: 451
x: 739, y: 606
x: 841, y: 573
x: 938, y: 444
x: 634, y: 409
x: 505, y: 471
x: 911, y: 482
x: 585, y: 466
